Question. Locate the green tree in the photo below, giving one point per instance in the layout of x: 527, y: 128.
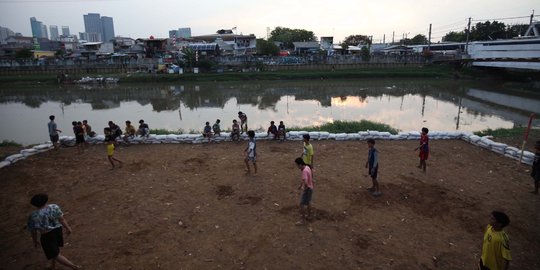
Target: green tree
x: 24, y: 53
x: 419, y: 40
x: 288, y: 36
x: 516, y: 30
x: 265, y: 47
x: 188, y: 57
x: 455, y: 37
x: 364, y: 53
x: 488, y: 31
x: 355, y: 40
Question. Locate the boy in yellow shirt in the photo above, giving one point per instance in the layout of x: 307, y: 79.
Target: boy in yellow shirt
x: 496, y: 245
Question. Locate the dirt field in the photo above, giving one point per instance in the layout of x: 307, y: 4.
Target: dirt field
x: 191, y: 207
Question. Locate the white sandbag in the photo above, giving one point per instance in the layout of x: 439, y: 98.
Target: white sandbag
x: 512, y: 156
x: 363, y: 133
x: 43, y: 146
x: 527, y: 154
x: 384, y: 134
x: 414, y: 133
x: 14, y: 157
x: 511, y: 148
x: 474, y: 138
x: 498, y: 151
x: 314, y: 134
x: 29, y: 152
x: 4, y: 163
x: 394, y: 137
x: 332, y: 136
x: 353, y: 136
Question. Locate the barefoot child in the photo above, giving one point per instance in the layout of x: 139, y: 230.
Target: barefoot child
x: 424, y: 149
x: 535, y: 172
x: 207, y: 131
x: 217, y: 128
x: 272, y: 130
x: 306, y: 185
x: 110, y: 141
x: 307, y: 154
x: 235, y: 134
x: 48, y: 220
x: 243, y: 122
x: 373, y: 167
x: 281, y: 131
x: 496, y: 247
x: 251, y: 152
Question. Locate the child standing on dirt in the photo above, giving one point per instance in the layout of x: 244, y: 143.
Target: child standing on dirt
x: 53, y: 132
x: 424, y: 148
x: 110, y: 142
x: 372, y: 164
x: 243, y: 122
x: 48, y: 220
x: 307, y: 153
x: 306, y: 185
x: 496, y: 246
x: 235, y: 134
x: 79, y: 136
x: 251, y: 152
x: 535, y: 172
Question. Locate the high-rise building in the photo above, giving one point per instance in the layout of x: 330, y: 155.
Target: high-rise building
x: 44, y: 32
x: 65, y: 31
x: 54, y: 32
x: 92, y: 25
x: 37, y: 27
x: 5, y: 33
x: 184, y: 32
x: 173, y: 33
x: 107, y: 28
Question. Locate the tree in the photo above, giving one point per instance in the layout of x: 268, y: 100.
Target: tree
x: 355, y: 40
x: 288, y: 36
x: 265, y: 47
x: 455, y: 36
x: 488, y: 31
x: 419, y: 40
x: 24, y: 53
x: 364, y: 53
x: 189, y: 57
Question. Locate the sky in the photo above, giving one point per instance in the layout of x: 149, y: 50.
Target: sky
x: 337, y: 18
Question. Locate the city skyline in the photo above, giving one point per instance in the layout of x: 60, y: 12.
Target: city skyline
x: 338, y: 18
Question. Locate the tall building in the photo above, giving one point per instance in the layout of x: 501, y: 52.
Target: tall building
x: 107, y: 28
x: 92, y: 25
x: 37, y: 27
x: 173, y: 33
x: 54, y: 32
x: 65, y: 31
x: 44, y: 32
x: 5, y: 33
x: 184, y: 32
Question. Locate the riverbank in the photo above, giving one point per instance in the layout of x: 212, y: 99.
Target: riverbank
x: 372, y: 72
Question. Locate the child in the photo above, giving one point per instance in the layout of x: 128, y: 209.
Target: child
x: 88, y: 129
x: 144, y: 130
x: 372, y: 164
x: 129, y: 132
x: 235, y: 134
x: 79, y: 136
x: 116, y: 132
x: 282, y: 131
x: 243, y: 122
x: 216, y: 128
x: 496, y: 247
x: 306, y: 184
x: 207, y: 131
x: 307, y: 154
x: 535, y: 172
x: 48, y: 220
x: 53, y: 132
x: 110, y: 141
x: 272, y: 130
x: 251, y: 152
x: 424, y: 149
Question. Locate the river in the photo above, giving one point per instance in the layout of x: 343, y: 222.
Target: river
x: 406, y: 104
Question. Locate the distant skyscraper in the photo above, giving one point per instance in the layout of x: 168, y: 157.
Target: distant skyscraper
x: 36, y: 27
x: 107, y: 28
x: 44, y: 32
x: 5, y: 33
x: 65, y: 31
x: 184, y: 32
x: 92, y: 25
x: 173, y: 33
x: 54, y: 32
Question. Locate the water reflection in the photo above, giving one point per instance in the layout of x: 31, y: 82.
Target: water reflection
x: 405, y: 104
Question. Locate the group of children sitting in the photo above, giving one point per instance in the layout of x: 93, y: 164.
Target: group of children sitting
x: 278, y: 132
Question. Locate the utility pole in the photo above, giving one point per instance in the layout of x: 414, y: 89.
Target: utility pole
x: 383, y: 38
x: 429, y: 39
x: 468, y: 31
x: 532, y: 16
x: 393, y: 37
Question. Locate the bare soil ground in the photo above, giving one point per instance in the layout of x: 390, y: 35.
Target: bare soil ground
x: 191, y: 207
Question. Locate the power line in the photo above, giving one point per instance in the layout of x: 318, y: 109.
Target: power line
x: 501, y: 19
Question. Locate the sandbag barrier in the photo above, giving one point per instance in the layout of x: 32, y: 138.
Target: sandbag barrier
x: 484, y: 142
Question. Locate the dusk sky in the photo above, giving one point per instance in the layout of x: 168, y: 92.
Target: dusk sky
x: 338, y: 18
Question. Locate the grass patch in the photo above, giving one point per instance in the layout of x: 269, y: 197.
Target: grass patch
x: 162, y: 131
x: 515, y: 132
x: 6, y: 143
x: 349, y: 127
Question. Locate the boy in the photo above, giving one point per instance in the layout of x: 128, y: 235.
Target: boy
x: 129, y: 131
x: 281, y: 131
x: 110, y: 141
x: 535, y: 172
x: 306, y: 185
x: 272, y: 129
x: 53, y: 131
x: 424, y: 149
x: 243, y: 122
x: 48, y: 220
x: 116, y: 132
x: 88, y: 129
x: 144, y: 130
x: 79, y: 136
x: 216, y: 128
x: 235, y: 134
x: 496, y: 246
x: 207, y: 131
x: 372, y: 164
x: 251, y: 152
x: 307, y: 154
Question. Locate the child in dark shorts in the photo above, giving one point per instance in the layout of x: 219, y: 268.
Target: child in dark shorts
x: 424, y: 149
x: 79, y: 136
x: 306, y: 185
x: 48, y: 220
x: 535, y: 171
x: 373, y: 167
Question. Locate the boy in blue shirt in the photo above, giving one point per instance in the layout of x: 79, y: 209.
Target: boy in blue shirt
x: 373, y: 167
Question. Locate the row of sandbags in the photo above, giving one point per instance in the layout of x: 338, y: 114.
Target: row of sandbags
x: 484, y: 142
